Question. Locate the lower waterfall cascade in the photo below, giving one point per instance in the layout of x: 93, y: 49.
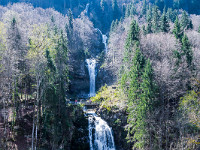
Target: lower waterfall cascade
x: 100, y: 134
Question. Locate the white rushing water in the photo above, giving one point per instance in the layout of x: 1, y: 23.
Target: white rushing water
x: 104, y: 37
x: 104, y: 40
x: 91, y: 63
x: 100, y: 134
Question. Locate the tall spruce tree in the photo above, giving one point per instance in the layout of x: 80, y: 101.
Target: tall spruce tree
x: 134, y: 94
x: 149, y: 21
x: 70, y: 19
x: 171, y: 14
x: 186, y: 23
x: 156, y: 19
x: 133, y: 34
x: 132, y: 40
x: 115, y: 10
x: 187, y: 51
x: 142, y: 99
x: 144, y: 7
x: 164, y: 27
x: 177, y: 31
x: 127, y: 12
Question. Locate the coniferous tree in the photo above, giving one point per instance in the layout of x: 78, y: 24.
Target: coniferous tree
x: 127, y: 13
x: 135, y: 116
x: 149, y: 22
x: 171, y: 14
x: 186, y: 23
x: 177, y: 31
x: 132, y: 10
x: 156, y: 19
x: 70, y: 20
x: 144, y: 30
x: 112, y: 26
x: 102, y: 3
x: 132, y: 41
x: 55, y: 117
x: 199, y: 29
x: 147, y: 104
x: 133, y: 35
x: 164, y: 27
x: 115, y: 9
x: 69, y: 28
x: 186, y: 48
x: 142, y: 99
x: 144, y: 7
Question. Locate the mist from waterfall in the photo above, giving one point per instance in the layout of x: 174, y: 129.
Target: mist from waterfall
x: 91, y: 64
x: 100, y: 134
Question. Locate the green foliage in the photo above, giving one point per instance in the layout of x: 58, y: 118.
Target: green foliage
x: 144, y: 7
x: 49, y: 54
x: 109, y: 97
x: 144, y: 30
x: 133, y: 35
x: 177, y: 55
x: 114, y: 25
x: 137, y: 83
x: 115, y: 9
x: 131, y: 41
x: 149, y: 21
x: 171, y: 14
x: 156, y: 19
x: 141, y: 97
x: 186, y: 23
x: 187, y: 51
x: 189, y: 108
x: 50, y: 64
x: 70, y: 19
x: 164, y: 27
x: 177, y: 31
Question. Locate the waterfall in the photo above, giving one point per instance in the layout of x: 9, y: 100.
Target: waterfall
x: 104, y: 37
x: 91, y: 63
x: 100, y: 134
x: 104, y: 40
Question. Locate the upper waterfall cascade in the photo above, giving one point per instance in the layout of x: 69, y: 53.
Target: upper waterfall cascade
x: 91, y: 63
x: 104, y: 40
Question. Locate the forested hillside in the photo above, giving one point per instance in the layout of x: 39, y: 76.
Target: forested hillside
x: 141, y: 57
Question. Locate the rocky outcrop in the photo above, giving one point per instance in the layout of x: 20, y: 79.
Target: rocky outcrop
x: 80, y: 138
x: 88, y: 45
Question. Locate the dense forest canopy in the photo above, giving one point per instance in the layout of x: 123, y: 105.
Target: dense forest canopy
x: 192, y: 6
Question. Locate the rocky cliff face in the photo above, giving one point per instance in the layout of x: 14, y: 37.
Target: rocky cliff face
x: 88, y: 45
